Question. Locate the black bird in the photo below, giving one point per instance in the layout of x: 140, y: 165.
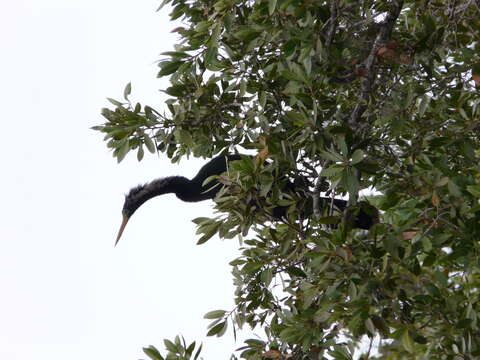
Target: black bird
x: 185, y: 189
x: 193, y: 190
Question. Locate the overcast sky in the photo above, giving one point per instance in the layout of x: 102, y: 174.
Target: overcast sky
x: 65, y: 291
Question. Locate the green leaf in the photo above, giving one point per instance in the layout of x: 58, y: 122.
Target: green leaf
x: 357, y: 156
x: 242, y: 89
x: 297, y: 118
x: 262, y: 98
x: 168, y: 67
x: 265, y: 186
x: 211, y: 56
x: 370, y: 327
x: 215, y: 35
x: 127, y: 91
x: 453, y: 189
x: 442, y: 182
x: 331, y: 155
x: 190, y: 349
x: 340, y: 353
x: 149, y: 144
x: 170, y: 346
x: 407, y: 341
x: 115, y: 102
x: 176, y: 54
x: 352, y: 290
x: 198, y: 352
x: 298, y: 70
x: 464, y: 114
x: 140, y: 153
x: 423, y: 105
x: 215, y: 314
x: 123, y: 151
x: 266, y: 276
x: 218, y: 329
x: 163, y: 3
x: 246, y: 34
x: 351, y: 182
x: 474, y: 190
x: 202, y: 220
x: 331, y: 171
x: 289, y: 334
x: 343, y: 146
x: 427, y: 244
x: 153, y: 353
x: 381, y: 325
x: 176, y: 91
x: 296, y: 272
x: 271, y: 6
x: 223, y: 330
x: 467, y: 149
x: 289, y: 47
x: 307, y: 64
x: 137, y: 109
x: 290, y: 75
x: 183, y: 135
x: 208, y: 231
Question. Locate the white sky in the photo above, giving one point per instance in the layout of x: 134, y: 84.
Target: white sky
x: 65, y: 291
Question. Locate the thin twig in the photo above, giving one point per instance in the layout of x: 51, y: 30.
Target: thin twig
x: 369, y: 349
x: 333, y: 22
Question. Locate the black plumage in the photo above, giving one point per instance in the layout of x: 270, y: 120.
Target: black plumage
x: 187, y: 190
x: 195, y: 190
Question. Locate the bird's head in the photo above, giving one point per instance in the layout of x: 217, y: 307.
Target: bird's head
x: 142, y: 193
x: 133, y: 200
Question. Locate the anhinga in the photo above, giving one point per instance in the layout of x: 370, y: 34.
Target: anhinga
x: 185, y: 189
x: 194, y: 190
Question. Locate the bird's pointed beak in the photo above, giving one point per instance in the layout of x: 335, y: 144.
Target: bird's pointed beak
x: 122, y: 227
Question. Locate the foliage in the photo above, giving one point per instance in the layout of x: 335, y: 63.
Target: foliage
x: 363, y: 94
x: 177, y: 349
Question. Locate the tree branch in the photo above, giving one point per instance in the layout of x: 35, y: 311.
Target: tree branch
x: 333, y: 22
x: 383, y: 35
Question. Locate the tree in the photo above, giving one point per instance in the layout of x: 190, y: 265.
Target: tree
x: 349, y: 95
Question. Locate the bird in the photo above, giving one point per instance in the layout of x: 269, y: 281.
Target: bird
x: 195, y: 190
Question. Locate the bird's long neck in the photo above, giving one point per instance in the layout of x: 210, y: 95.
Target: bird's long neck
x: 178, y: 185
x: 142, y: 193
x: 183, y: 188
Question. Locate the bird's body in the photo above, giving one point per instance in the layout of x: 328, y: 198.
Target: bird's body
x: 195, y: 190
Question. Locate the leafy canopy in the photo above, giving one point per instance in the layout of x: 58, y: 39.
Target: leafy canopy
x: 348, y: 95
